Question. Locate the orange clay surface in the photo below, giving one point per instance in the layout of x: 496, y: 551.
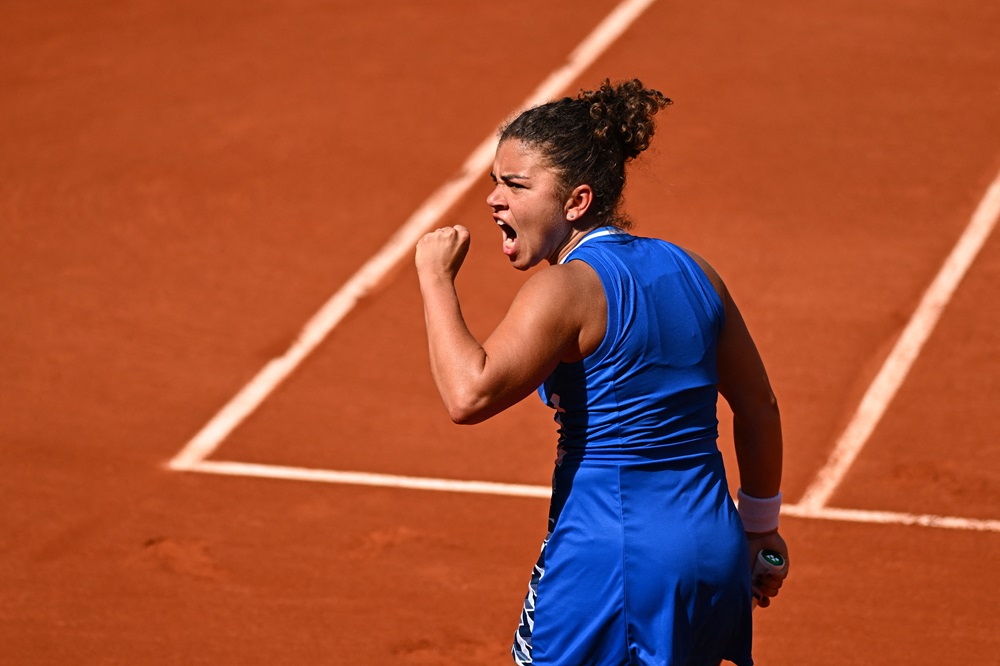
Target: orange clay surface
x: 183, y: 184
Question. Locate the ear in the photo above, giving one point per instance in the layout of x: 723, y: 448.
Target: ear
x: 578, y: 202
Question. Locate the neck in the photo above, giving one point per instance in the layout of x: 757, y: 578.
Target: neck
x: 573, y: 239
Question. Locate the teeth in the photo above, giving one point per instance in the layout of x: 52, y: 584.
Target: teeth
x: 508, y: 231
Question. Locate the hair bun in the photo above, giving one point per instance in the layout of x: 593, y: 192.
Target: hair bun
x: 588, y: 139
x: 624, y: 114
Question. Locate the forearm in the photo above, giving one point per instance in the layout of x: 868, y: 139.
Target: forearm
x: 456, y: 357
x: 758, y: 441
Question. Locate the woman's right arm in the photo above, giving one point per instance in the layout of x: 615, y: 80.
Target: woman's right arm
x: 543, y: 326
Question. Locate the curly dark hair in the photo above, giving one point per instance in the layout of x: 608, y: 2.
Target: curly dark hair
x: 589, y: 138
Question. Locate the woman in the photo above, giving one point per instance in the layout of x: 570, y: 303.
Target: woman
x: 631, y: 340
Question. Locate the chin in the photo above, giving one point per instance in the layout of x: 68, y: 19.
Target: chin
x: 522, y: 263
x: 515, y: 264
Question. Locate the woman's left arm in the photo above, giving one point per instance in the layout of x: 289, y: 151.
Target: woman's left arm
x: 757, y: 435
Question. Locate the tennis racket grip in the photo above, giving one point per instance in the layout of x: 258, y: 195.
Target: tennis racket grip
x: 768, y: 562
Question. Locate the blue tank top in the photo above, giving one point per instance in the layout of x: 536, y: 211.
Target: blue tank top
x: 650, y: 389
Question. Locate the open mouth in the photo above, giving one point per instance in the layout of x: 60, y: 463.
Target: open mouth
x: 508, y: 231
x: 509, y: 238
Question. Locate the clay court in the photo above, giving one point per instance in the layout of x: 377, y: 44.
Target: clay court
x: 222, y: 442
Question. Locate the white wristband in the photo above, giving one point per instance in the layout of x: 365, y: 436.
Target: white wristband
x: 758, y: 515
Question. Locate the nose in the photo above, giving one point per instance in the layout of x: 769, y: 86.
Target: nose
x: 494, y: 199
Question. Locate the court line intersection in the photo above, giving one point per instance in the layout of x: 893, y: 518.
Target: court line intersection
x: 194, y: 456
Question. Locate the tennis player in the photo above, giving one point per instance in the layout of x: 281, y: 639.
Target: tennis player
x: 631, y: 340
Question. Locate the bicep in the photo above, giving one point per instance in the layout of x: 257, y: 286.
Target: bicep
x: 743, y: 379
x: 529, y: 342
x: 744, y: 384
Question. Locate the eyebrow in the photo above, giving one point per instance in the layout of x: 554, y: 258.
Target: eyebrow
x: 507, y: 177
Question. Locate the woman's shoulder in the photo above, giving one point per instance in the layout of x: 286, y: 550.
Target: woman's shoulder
x: 572, y: 288
x: 570, y: 277
x: 564, y: 303
x: 710, y: 272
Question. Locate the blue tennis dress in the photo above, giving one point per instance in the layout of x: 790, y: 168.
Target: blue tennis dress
x: 645, y: 561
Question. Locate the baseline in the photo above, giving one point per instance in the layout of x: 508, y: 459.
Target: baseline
x: 284, y: 473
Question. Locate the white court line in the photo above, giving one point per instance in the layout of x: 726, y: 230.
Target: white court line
x: 543, y: 492
x: 869, y: 413
x: 368, y: 479
x: 896, y: 367
x: 891, y: 518
x: 250, y: 397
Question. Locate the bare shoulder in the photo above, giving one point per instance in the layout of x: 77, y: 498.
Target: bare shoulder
x: 565, y: 305
x: 583, y: 305
x: 712, y: 274
x: 574, y: 280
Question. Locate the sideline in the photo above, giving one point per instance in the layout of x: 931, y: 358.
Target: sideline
x: 257, y: 390
x: 897, y: 366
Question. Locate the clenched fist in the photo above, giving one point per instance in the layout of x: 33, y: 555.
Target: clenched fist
x: 442, y: 251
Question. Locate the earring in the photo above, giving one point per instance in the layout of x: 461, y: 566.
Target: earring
x: 572, y: 216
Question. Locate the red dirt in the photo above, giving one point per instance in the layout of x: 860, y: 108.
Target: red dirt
x: 183, y: 184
